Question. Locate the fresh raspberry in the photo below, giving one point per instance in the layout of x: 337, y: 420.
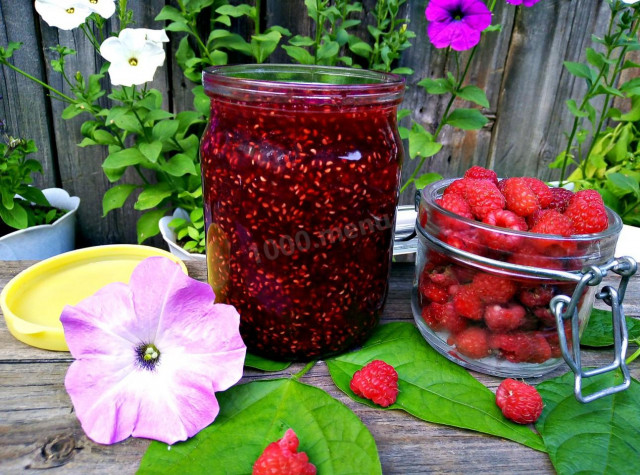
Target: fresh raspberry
x: 483, y: 197
x: 493, y: 288
x: 561, y: 198
x: 519, y: 402
x: 442, y: 275
x: 467, y: 303
x: 519, y: 198
x: 480, y: 173
x: 377, y: 381
x: 521, y: 347
x: 587, y: 212
x: 464, y: 274
x: 456, y: 187
x: 433, y: 292
x: 550, y: 221
x: 504, y: 318
x: 500, y: 185
x: 283, y: 457
x: 532, y: 257
x: 538, y: 296
x: 472, y: 342
x: 545, y: 316
x: 456, y: 203
x: 541, y: 190
x: 443, y: 317
x: 503, y: 218
x: 466, y: 240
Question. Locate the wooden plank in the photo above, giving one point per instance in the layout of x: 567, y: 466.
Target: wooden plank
x: 38, y: 428
x: 532, y: 116
x: 24, y: 105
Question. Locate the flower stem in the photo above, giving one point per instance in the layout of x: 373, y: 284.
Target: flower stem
x: 305, y: 370
x: 634, y: 355
x: 61, y: 95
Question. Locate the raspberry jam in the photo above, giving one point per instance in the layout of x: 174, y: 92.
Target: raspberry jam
x: 481, y: 292
x: 301, y: 168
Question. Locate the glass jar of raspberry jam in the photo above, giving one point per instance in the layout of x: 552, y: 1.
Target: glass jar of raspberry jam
x: 301, y: 167
x: 483, y: 295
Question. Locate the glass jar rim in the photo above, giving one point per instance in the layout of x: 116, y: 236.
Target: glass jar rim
x: 431, y: 192
x: 281, y: 83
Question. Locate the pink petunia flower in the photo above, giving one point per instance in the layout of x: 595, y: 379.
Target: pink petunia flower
x: 151, y: 355
x: 456, y: 23
x: 526, y: 3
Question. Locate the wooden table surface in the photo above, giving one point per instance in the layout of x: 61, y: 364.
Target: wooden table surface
x: 39, y: 430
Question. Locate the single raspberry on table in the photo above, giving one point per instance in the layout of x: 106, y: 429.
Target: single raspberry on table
x: 519, y: 197
x: 492, y: 288
x: 587, y: 212
x: 561, y: 197
x: 377, y: 381
x: 519, y: 401
x: 541, y: 190
x: 480, y: 173
x: 282, y: 457
x: 504, y: 318
x: 472, y: 342
x: 483, y: 197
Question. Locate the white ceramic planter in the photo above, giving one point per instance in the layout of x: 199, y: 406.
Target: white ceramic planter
x: 170, y: 237
x: 46, y: 240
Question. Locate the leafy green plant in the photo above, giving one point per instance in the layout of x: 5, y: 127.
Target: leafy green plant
x: 16, y: 178
x: 609, y: 162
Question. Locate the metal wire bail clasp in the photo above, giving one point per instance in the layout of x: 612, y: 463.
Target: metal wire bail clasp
x: 564, y: 308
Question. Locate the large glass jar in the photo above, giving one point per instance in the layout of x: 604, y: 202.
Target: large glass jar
x: 301, y: 167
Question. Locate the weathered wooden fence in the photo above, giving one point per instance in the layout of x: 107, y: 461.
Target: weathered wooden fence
x: 520, y: 68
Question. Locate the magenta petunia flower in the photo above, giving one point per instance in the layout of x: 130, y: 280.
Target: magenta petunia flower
x: 526, y: 3
x: 456, y: 23
x: 151, y: 355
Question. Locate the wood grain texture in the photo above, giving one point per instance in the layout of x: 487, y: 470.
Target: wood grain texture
x: 520, y: 67
x: 39, y: 430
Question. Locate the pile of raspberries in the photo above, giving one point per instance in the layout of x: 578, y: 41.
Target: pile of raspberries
x: 493, y: 313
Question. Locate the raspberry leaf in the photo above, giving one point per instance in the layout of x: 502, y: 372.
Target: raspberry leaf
x: 263, y: 364
x: 255, y: 414
x: 602, y: 436
x: 599, y: 331
x: 431, y: 387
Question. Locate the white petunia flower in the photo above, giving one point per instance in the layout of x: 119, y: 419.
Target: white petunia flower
x: 156, y: 36
x: 63, y: 14
x: 630, y: 2
x: 133, y: 56
x: 104, y: 8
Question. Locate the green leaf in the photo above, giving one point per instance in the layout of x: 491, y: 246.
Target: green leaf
x: 128, y: 122
x: 328, y: 50
x: 147, y: 225
x: 15, y: 217
x: 436, y: 86
x: 426, y: 179
x: 491, y: 28
x: 299, y: 54
x: 151, y: 150
x: 201, y: 101
x: 263, y: 45
x: 402, y: 113
x: 404, y: 71
x: 34, y: 195
x: 169, y: 13
x: 152, y: 196
x: 123, y: 158
x: 263, y: 364
x: 115, y: 197
x: 623, y: 184
x: 431, y: 387
x: 602, y: 436
x: 180, y: 165
x: 573, y: 108
x: 599, y: 331
x: 580, y: 70
x: 595, y: 58
x: 360, y: 48
x: 466, y: 119
x: 165, y: 130
x: 301, y: 41
x: 237, y: 11
x: 255, y: 414
x: 474, y: 94
x: 421, y: 142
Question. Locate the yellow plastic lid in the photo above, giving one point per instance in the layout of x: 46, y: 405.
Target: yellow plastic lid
x: 33, y: 300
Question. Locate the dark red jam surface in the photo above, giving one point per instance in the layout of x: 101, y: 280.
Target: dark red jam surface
x: 300, y: 202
